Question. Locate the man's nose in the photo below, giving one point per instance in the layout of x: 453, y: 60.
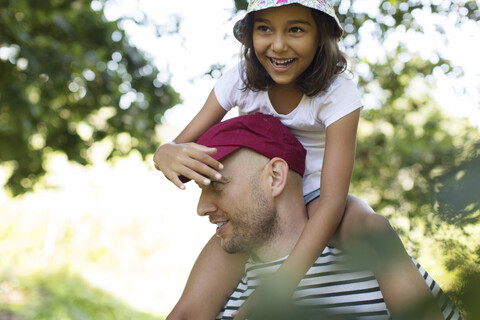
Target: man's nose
x: 205, y: 204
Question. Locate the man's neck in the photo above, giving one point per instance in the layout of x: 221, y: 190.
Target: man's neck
x: 290, y: 227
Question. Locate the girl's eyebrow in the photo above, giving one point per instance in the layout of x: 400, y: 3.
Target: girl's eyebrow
x: 299, y: 21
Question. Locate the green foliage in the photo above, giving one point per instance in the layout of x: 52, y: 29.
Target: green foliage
x: 458, y: 193
x: 241, y: 4
x: 407, y: 152
x: 69, y: 79
x: 62, y: 295
x: 467, y: 294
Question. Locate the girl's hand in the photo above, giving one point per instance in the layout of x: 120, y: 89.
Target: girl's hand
x: 190, y: 160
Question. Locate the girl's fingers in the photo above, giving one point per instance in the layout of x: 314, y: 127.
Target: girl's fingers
x: 203, y: 164
x: 195, y: 176
x: 188, y: 173
x: 193, y: 170
x: 190, y: 160
x: 205, y: 172
x: 204, y: 156
x: 176, y: 181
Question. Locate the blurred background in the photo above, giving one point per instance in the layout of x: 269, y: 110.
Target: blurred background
x: 89, y: 90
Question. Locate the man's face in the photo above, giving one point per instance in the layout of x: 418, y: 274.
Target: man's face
x: 244, y: 215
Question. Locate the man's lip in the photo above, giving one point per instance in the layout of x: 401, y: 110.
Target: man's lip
x: 220, y: 227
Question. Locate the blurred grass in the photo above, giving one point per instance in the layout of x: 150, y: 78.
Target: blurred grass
x: 61, y: 294
x: 41, y: 265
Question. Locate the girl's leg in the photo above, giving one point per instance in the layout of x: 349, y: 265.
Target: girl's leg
x: 213, y: 278
x: 371, y: 241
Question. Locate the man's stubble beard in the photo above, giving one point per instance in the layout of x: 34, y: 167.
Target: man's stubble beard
x: 258, y: 226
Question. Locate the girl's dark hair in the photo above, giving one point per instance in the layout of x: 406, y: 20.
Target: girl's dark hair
x: 329, y: 60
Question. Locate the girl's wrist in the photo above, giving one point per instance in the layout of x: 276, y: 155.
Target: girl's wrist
x: 289, y: 278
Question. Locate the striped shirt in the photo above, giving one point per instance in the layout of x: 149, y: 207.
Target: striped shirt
x: 332, y: 287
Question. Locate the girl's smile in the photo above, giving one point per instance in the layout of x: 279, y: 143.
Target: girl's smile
x: 285, y: 40
x: 281, y: 65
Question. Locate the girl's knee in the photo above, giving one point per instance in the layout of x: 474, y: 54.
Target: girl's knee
x: 365, y: 219
x: 375, y: 222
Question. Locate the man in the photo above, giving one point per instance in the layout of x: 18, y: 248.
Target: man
x: 259, y: 209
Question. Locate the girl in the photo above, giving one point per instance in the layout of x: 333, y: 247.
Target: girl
x: 293, y: 69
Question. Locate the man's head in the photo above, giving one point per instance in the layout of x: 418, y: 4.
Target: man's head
x: 261, y: 160
x: 259, y: 132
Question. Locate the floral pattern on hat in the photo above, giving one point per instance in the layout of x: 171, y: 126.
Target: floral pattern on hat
x: 325, y: 6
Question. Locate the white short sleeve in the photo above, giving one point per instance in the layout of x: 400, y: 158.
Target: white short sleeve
x: 228, y: 88
x: 340, y: 99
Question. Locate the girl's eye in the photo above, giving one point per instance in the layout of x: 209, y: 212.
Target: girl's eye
x: 263, y: 28
x: 296, y: 29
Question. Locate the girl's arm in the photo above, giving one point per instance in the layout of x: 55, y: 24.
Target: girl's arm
x: 213, y: 278
x: 184, y: 157
x: 327, y: 211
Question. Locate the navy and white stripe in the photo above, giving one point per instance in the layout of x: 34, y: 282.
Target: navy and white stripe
x: 332, y: 286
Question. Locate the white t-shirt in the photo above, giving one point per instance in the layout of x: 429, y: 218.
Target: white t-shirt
x: 308, y: 121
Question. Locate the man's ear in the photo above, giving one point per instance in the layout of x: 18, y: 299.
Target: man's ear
x: 278, y: 170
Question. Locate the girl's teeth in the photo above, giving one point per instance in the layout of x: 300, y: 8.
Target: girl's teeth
x: 281, y: 63
x: 220, y: 224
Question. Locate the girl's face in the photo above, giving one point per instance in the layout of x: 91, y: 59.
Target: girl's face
x: 285, y: 40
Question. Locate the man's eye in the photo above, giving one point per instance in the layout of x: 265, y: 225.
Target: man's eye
x: 217, y: 185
